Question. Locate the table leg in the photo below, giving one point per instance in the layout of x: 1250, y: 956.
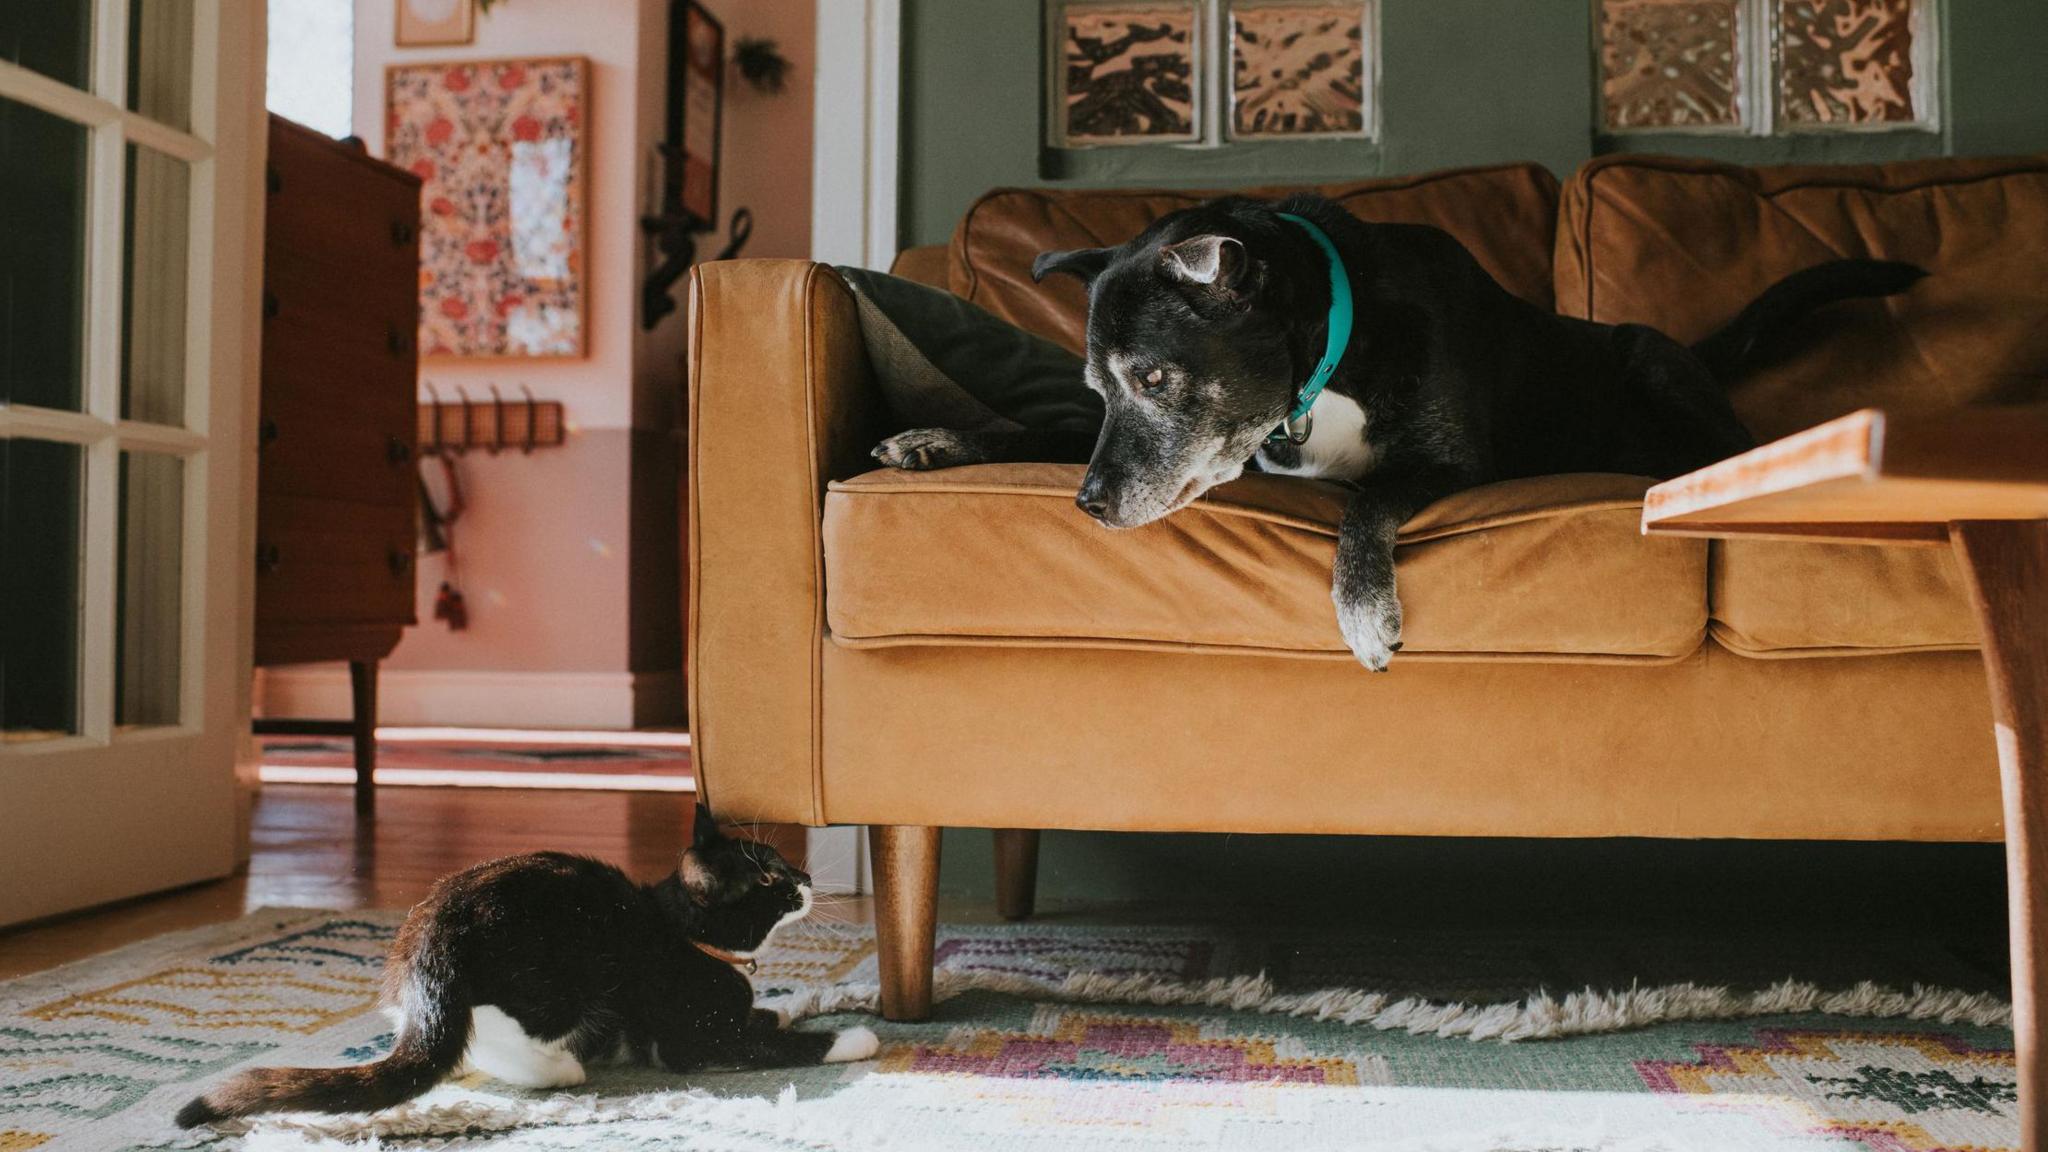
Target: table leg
x: 2006, y: 564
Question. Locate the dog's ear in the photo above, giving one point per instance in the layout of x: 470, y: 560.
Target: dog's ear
x: 1083, y: 263
x: 1212, y: 261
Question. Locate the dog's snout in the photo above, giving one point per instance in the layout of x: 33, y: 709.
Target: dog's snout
x: 1091, y: 498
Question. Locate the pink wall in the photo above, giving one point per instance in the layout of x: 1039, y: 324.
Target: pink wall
x: 560, y: 576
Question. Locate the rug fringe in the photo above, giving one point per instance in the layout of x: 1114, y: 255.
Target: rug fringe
x: 751, y: 1118
x: 1540, y: 1017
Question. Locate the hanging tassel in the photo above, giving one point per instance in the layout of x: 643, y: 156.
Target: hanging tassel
x: 449, y: 608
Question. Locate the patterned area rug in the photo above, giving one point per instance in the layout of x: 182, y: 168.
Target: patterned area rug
x: 1046, y: 1038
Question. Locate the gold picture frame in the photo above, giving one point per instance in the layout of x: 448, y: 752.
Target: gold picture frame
x: 433, y: 23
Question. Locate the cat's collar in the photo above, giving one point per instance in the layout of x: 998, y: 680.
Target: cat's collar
x: 745, y: 963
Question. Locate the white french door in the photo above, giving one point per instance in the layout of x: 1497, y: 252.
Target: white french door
x: 130, y: 249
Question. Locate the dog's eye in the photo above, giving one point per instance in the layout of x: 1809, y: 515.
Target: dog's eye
x: 1155, y: 378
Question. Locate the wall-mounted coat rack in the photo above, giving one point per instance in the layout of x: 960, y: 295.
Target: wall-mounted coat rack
x: 456, y: 426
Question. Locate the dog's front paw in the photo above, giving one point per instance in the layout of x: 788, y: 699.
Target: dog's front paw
x: 1370, y: 619
x: 922, y: 449
x: 853, y: 1044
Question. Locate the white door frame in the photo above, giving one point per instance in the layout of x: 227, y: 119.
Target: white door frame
x: 115, y: 811
x: 854, y: 167
x: 854, y: 132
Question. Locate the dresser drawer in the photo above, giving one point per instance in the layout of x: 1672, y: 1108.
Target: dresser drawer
x: 333, y: 561
x: 340, y: 210
x: 305, y: 452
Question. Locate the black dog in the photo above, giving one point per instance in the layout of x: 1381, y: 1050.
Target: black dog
x: 1203, y: 330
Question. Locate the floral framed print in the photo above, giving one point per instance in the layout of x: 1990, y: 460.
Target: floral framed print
x: 502, y: 149
x: 1300, y: 70
x: 1126, y: 73
x: 433, y: 23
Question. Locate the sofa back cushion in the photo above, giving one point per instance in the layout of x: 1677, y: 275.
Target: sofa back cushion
x: 1683, y: 245
x: 1506, y: 215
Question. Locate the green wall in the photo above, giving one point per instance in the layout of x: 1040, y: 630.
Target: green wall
x: 1462, y: 82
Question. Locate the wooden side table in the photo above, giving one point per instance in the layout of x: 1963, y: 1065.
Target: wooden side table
x: 1975, y: 480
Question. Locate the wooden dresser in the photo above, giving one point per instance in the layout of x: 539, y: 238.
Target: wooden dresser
x: 337, y: 491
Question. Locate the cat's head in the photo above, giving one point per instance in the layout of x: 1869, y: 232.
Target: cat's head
x: 744, y: 889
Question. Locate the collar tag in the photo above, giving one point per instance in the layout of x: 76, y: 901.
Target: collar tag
x: 1298, y: 424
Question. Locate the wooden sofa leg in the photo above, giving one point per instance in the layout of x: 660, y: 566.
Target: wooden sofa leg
x: 906, y: 866
x: 1016, y: 872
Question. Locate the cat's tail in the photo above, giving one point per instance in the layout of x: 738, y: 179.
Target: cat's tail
x: 431, y: 1039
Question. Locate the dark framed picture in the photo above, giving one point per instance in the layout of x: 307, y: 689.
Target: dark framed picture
x: 696, y: 92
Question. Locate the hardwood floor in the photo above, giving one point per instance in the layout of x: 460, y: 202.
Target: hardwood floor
x: 309, y: 850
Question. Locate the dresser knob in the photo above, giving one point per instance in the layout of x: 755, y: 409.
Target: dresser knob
x: 268, y: 557
x: 270, y: 305
x: 273, y: 182
x: 401, y: 232
x: 399, y: 342
x: 397, y: 450
x: 400, y: 560
x: 266, y: 432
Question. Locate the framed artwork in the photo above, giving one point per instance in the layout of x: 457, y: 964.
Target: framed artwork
x: 502, y: 149
x: 433, y: 23
x: 1299, y: 69
x: 696, y: 94
x: 1125, y: 73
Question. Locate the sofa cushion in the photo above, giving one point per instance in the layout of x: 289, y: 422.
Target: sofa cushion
x: 1683, y: 245
x: 1546, y: 568
x: 1790, y: 598
x: 1507, y: 216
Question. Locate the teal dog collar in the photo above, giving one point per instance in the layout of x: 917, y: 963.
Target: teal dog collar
x: 1298, y: 425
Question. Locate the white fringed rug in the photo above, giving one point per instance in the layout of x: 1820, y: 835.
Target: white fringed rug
x: 1048, y: 1038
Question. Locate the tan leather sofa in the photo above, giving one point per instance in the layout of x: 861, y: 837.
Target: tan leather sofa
x: 965, y: 648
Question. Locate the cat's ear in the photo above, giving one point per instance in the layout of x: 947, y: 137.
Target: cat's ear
x: 706, y: 828
x: 697, y: 878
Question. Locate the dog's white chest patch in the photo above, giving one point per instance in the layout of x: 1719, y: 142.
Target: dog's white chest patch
x: 1336, y: 448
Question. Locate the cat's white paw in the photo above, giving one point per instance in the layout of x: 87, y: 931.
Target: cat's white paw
x: 853, y: 1044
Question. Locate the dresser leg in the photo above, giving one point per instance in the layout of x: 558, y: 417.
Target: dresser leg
x: 362, y: 683
x: 906, y: 861
x: 2006, y: 566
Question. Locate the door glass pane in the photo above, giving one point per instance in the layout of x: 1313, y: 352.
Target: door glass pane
x: 153, y: 245
x: 41, y: 503
x: 160, y: 60
x: 149, y: 588
x: 42, y: 278
x: 53, y: 37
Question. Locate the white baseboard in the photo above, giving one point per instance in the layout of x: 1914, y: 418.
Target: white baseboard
x: 593, y: 700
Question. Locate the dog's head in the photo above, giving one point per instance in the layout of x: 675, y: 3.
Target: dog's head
x: 1196, y: 341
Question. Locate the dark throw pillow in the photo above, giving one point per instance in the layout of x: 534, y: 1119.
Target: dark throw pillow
x: 944, y: 363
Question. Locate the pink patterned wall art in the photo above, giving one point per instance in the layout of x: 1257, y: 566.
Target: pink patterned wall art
x: 502, y: 146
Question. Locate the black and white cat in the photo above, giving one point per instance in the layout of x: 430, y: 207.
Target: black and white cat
x: 531, y: 967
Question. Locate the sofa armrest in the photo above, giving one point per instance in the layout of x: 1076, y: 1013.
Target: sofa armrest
x: 780, y: 403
